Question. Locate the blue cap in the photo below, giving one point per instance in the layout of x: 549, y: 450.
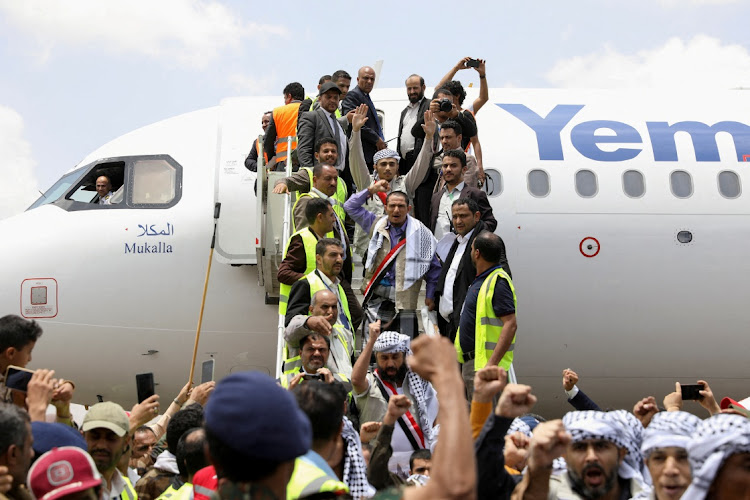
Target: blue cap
x: 55, y: 435
x: 254, y: 416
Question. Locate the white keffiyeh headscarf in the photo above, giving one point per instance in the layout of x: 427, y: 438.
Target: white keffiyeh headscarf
x: 558, y: 465
x: 669, y: 428
x: 390, y: 342
x: 355, y: 470
x: 615, y: 426
x: 715, y: 440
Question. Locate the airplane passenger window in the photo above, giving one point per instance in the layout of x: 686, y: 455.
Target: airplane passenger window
x: 586, y: 183
x: 682, y: 184
x: 538, y: 183
x: 493, y: 182
x: 633, y: 183
x: 729, y: 184
x: 154, y: 182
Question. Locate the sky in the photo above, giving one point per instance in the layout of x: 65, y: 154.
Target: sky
x: 80, y: 73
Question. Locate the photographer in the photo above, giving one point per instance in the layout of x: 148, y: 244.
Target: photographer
x: 314, y: 351
x: 443, y: 109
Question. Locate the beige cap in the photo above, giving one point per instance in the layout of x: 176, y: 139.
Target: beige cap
x: 107, y: 415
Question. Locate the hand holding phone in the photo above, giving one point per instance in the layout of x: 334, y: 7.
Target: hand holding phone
x: 18, y: 378
x: 472, y: 63
x: 207, y: 371
x: 692, y: 392
x: 145, y: 385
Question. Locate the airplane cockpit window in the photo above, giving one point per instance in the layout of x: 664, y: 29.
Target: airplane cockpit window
x: 59, y: 188
x: 586, y: 185
x: 538, y: 183
x: 89, y: 189
x: 729, y: 184
x: 149, y: 181
x: 154, y: 182
x: 682, y: 184
x: 633, y: 183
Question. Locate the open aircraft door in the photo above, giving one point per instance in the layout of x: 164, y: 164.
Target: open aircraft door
x: 238, y: 232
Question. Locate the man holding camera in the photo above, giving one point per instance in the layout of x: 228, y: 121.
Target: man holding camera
x: 315, y: 350
x: 442, y: 109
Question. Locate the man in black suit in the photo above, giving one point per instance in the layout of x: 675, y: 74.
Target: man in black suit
x: 314, y: 126
x: 372, y: 131
x: 458, y: 271
x: 408, y: 146
x: 454, y: 167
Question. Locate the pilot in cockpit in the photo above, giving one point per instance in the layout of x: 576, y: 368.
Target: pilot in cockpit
x: 104, y: 190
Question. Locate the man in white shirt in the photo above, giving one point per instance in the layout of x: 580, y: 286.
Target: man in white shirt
x: 104, y: 190
x: 458, y: 271
x: 408, y: 146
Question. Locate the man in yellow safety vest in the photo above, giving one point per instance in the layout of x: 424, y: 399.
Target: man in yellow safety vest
x: 487, y: 329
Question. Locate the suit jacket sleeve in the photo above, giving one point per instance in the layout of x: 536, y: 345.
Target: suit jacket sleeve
x: 251, y: 162
x: 434, y: 207
x: 299, y: 301
x: 493, y: 480
x: 306, y: 140
x: 485, y: 209
x: 292, y: 268
x: 582, y: 402
x: 353, y: 99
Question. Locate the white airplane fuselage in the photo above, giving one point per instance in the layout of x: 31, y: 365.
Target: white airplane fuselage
x: 605, y: 285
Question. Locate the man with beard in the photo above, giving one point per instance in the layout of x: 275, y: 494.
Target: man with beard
x: 453, y: 170
x: 596, y: 448
x: 408, y: 146
x: 458, y: 270
x: 392, y: 377
x: 106, y: 430
x: 16, y: 450
x: 314, y: 351
x: 251, y: 162
x: 329, y: 257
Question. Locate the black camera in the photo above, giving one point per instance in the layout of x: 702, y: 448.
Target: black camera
x: 446, y: 105
x: 312, y: 376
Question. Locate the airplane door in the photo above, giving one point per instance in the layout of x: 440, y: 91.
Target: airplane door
x: 235, y: 186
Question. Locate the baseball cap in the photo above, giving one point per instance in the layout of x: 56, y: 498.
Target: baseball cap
x: 62, y: 471
x: 254, y: 416
x: 329, y: 86
x: 48, y: 435
x: 107, y: 415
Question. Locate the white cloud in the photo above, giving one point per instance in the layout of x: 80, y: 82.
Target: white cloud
x: 189, y: 32
x: 18, y: 187
x: 702, y: 62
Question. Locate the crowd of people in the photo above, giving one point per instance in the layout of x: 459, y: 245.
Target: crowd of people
x: 368, y: 406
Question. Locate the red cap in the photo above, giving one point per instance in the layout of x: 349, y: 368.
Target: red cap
x: 205, y: 482
x: 729, y: 401
x: 62, y: 471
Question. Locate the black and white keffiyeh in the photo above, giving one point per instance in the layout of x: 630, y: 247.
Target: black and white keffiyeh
x: 715, y: 440
x: 355, y: 470
x: 558, y: 465
x: 420, y: 248
x: 390, y: 342
x: 614, y: 426
x: 667, y: 429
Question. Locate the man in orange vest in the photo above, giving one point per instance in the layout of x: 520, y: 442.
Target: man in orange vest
x: 251, y: 162
x: 284, y: 124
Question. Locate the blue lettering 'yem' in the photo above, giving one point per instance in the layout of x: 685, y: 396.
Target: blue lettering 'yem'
x: 586, y: 141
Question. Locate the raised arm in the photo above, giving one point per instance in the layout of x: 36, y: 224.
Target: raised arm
x: 452, y: 72
x: 359, y: 370
x: 357, y: 164
x: 453, y: 464
x: 484, y: 93
x: 423, y: 163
